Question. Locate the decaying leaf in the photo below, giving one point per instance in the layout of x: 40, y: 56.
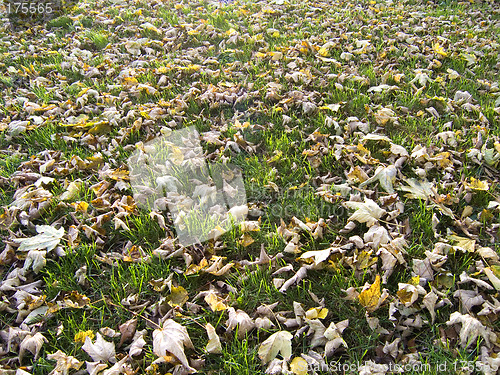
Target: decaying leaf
x: 127, y: 330
x: 298, y: 366
x: 33, y: 344
x: 64, y: 363
x: 100, y: 350
x: 172, y: 338
x: 471, y: 329
x: 214, y: 346
x: 47, y: 239
x: 215, y: 302
x: 366, y: 212
x: 240, y: 320
x: 278, y: 343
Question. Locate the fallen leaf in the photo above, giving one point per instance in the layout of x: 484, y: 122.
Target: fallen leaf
x: 299, y: 366
x: 278, y: 343
x: 370, y: 298
x: 471, y: 329
x: 215, y: 302
x: 172, y: 338
x: 239, y: 319
x: 178, y: 296
x: 47, y: 239
x: 214, y: 346
x: 64, y: 363
x: 100, y: 350
x: 33, y: 344
x: 127, y: 330
x: 366, y: 212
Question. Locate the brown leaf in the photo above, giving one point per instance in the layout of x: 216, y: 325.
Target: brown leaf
x: 127, y: 330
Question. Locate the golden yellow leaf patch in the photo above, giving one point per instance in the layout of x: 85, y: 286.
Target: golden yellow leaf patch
x: 475, y: 184
x: 215, y: 302
x: 178, y: 296
x: 80, y: 336
x: 298, y: 366
x: 369, y: 298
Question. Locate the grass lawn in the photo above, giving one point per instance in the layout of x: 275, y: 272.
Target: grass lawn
x: 367, y: 133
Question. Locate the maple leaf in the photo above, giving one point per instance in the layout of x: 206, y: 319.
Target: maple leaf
x: 172, y: 338
x: 384, y: 115
x: 318, y: 255
x: 33, y: 344
x: 418, y: 189
x: 366, y: 212
x: 47, y: 239
x: 178, y: 296
x: 100, y: 350
x: 64, y: 363
x: 36, y: 260
x: 439, y: 50
x: 471, y: 329
x: 215, y: 302
x: 371, y: 298
x: 334, y: 336
x: 475, y: 184
x: 386, y: 177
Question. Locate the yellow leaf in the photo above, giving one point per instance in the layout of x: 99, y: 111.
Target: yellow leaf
x: 364, y: 260
x: 357, y: 175
x: 415, y: 280
x: 276, y: 157
x: 439, y: 50
x: 246, y: 240
x: 163, y: 70
x: 195, y: 268
x: 369, y: 298
x: 463, y: 242
x: 80, y: 206
x: 131, y: 81
x: 215, y: 302
x: 323, y: 52
x: 80, y: 336
x: 398, y: 77
x: 178, y: 296
x: 76, y: 300
x: 100, y: 127
x: 298, y: 366
x: 317, y: 313
x: 404, y: 296
x: 177, y: 156
x: 194, y: 67
x: 119, y: 174
x: 477, y: 184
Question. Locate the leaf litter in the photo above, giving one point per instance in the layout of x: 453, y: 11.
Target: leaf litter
x: 388, y: 108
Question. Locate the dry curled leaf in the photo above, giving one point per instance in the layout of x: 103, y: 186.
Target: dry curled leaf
x: 278, y: 343
x: 172, y: 338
